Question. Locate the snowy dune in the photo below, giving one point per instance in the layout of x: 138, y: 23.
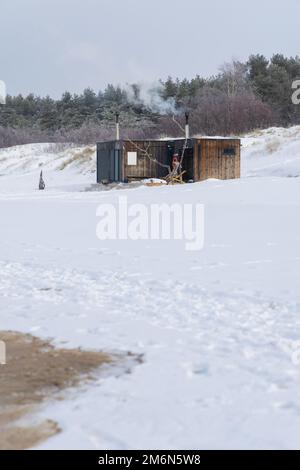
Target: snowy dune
x: 218, y: 329
x: 274, y: 152
x: 27, y: 158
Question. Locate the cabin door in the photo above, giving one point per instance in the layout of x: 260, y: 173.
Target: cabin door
x: 103, y: 164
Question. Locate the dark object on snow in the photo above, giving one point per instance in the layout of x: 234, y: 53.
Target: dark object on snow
x: 42, y: 182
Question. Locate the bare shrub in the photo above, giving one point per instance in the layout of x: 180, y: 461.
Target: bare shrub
x: 84, y: 135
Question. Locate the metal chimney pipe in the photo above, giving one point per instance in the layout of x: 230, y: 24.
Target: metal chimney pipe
x: 187, y: 126
x: 117, y: 126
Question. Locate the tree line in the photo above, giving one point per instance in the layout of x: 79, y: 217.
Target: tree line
x: 243, y: 96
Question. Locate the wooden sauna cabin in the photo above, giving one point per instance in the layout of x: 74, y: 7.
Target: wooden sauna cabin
x: 205, y: 157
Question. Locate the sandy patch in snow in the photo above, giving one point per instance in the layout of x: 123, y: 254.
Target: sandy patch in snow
x: 34, y: 372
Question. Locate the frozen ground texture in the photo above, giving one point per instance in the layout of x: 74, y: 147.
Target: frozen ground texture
x: 218, y: 329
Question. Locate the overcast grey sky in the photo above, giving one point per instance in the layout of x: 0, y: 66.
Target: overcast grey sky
x: 49, y: 46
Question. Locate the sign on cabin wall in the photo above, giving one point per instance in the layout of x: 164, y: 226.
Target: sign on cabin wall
x: 132, y: 158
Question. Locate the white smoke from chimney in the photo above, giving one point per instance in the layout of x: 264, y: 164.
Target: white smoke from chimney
x: 151, y: 96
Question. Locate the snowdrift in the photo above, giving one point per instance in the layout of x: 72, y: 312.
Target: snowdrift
x: 272, y: 152
x: 31, y: 157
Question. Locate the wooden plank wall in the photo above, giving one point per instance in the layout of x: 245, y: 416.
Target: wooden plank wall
x: 145, y: 168
x: 210, y: 161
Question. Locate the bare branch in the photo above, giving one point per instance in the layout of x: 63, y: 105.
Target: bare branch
x: 183, y: 151
x: 147, y: 154
x: 178, y: 123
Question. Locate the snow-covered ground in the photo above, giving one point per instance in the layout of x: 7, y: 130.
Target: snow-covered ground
x: 273, y: 152
x: 218, y: 329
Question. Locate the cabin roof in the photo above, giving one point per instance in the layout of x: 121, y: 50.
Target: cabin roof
x: 172, y: 139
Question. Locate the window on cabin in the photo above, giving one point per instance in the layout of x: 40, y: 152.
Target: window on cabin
x: 132, y: 158
x: 229, y: 151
